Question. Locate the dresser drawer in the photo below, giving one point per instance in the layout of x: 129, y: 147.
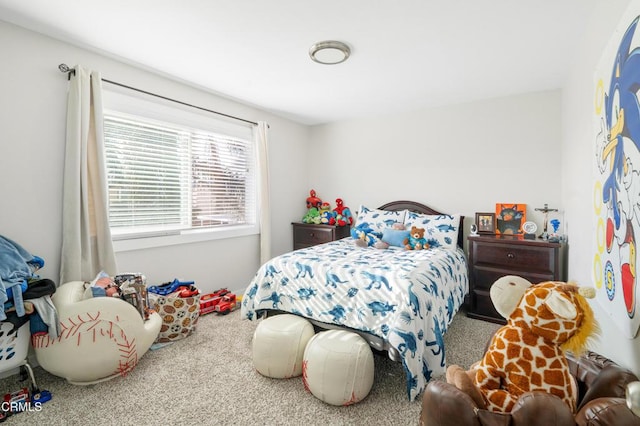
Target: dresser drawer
x: 484, y: 277
x: 312, y: 235
x: 484, y: 308
x: 307, y: 234
x: 519, y: 258
x: 492, y: 257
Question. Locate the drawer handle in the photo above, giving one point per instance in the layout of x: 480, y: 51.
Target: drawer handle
x: 511, y: 255
x: 312, y: 234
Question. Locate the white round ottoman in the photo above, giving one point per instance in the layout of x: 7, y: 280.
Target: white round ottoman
x: 338, y: 367
x: 278, y: 345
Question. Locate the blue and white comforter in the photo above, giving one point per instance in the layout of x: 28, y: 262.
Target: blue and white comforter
x: 408, y: 298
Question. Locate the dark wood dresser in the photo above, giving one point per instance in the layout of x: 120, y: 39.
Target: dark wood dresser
x: 494, y: 256
x: 307, y: 235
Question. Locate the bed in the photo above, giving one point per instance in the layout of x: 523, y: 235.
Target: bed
x: 400, y: 301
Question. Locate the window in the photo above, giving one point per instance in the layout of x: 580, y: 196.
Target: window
x: 178, y: 176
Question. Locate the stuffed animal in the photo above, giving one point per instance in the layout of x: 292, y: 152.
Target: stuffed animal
x: 327, y: 216
x: 527, y: 354
x: 416, y: 240
x: 312, y: 200
x: 398, y: 226
x: 105, y: 286
x: 392, y: 236
x: 381, y: 245
x: 312, y: 216
x: 364, y: 235
x: 343, y: 214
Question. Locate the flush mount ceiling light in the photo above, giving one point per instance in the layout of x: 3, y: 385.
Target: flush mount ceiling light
x: 329, y: 52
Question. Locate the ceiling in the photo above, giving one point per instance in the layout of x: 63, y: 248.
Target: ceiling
x: 405, y: 54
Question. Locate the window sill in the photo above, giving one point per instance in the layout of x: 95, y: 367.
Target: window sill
x: 183, y: 238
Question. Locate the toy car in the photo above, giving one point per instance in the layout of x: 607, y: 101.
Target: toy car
x: 187, y: 291
x: 16, y: 401
x: 227, y: 304
x: 41, y: 397
x: 209, y: 301
x: 169, y: 287
x: 22, y: 400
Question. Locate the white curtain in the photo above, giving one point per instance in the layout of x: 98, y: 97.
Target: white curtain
x: 86, y: 239
x: 263, y: 191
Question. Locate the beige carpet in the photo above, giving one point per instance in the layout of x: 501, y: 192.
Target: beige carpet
x: 209, y: 379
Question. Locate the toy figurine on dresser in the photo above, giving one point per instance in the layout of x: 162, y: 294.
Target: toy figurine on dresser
x: 342, y: 214
x: 313, y: 200
x: 313, y: 209
x: 327, y: 216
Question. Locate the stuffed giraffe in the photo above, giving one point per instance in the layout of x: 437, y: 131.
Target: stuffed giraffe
x: 527, y: 354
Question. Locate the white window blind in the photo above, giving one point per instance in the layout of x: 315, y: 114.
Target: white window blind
x: 166, y: 178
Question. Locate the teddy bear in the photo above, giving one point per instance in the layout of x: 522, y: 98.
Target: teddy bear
x: 416, y: 240
x: 527, y: 354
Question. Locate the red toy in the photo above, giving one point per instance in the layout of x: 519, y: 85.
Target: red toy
x: 187, y: 291
x: 227, y: 304
x: 15, y: 402
x: 208, y: 302
x: 313, y: 201
x: 342, y: 214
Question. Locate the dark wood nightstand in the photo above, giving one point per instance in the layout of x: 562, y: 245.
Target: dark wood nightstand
x: 494, y: 256
x: 307, y: 234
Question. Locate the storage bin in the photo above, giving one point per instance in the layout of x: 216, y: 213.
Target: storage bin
x: 179, y: 316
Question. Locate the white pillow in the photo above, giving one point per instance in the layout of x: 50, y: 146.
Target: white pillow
x: 440, y: 230
x: 379, y: 220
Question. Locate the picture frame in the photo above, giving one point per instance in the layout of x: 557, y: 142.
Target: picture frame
x: 509, y: 218
x: 486, y: 223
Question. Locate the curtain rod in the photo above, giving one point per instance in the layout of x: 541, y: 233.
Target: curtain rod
x: 65, y: 69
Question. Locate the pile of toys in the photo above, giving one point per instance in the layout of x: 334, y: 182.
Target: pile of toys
x: 175, y: 288
x: 23, y: 399
x: 130, y: 287
x: 221, y: 301
x: 177, y: 303
x: 319, y: 212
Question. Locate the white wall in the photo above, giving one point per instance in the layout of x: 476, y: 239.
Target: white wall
x: 461, y: 158
x: 577, y: 188
x: 533, y: 148
x: 32, y: 137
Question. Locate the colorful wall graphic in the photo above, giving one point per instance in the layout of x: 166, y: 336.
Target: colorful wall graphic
x: 616, y: 191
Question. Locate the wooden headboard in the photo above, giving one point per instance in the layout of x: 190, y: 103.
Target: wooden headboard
x: 421, y: 208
